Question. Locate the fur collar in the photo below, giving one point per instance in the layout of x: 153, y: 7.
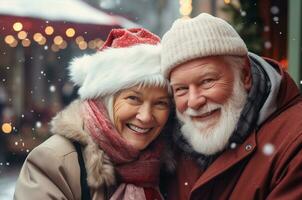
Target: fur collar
x: 69, y: 124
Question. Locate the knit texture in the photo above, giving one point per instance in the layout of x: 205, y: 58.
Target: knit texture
x: 128, y: 57
x: 204, y: 35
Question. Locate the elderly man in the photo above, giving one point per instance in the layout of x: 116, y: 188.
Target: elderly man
x: 239, y: 134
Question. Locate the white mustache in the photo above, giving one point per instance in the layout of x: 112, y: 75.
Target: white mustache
x: 206, y: 109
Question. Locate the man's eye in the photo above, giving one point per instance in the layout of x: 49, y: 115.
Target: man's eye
x: 207, y: 83
x: 180, y: 89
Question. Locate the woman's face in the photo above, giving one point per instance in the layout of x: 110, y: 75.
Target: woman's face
x: 140, y: 113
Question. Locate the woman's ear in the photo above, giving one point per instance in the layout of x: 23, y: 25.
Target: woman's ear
x: 246, y: 74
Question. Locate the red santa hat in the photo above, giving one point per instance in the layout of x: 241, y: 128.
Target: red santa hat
x: 128, y: 57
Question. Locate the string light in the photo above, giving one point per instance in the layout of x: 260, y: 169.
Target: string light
x: 14, y: 44
x: 185, y: 7
x: 26, y: 42
x: 79, y: 39
x: 38, y: 37
x: 7, y: 128
x: 227, y: 1
x: 83, y: 45
x: 49, y: 30
x: 17, y: 26
x: 55, y: 48
x: 9, y: 39
x: 92, y: 44
x: 22, y: 35
x: 42, y: 41
x: 70, y: 32
x: 58, y: 40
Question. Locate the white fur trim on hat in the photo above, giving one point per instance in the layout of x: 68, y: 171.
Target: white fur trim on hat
x: 204, y: 35
x: 113, y: 69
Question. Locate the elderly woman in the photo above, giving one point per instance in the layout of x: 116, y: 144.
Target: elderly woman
x: 105, y: 144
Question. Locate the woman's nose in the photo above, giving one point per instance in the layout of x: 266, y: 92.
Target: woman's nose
x: 145, y: 113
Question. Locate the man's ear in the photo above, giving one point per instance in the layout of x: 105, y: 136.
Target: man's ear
x: 246, y: 74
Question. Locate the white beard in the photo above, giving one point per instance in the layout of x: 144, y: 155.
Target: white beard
x: 207, y: 138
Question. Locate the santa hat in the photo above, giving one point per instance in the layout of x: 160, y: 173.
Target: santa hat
x: 128, y: 57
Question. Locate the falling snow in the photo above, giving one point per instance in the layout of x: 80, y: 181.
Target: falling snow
x: 52, y: 88
x: 233, y: 145
x: 45, y: 47
x: 266, y: 28
x: 274, y: 10
x: 275, y: 19
x: 38, y: 124
x: 268, y: 149
x: 267, y: 44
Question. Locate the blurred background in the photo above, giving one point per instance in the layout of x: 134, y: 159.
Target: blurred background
x: 38, y: 38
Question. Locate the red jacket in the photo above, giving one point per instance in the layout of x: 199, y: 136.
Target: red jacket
x: 246, y: 172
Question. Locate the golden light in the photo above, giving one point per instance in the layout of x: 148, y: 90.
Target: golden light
x: 185, y: 10
x: 26, y: 42
x: 63, y: 45
x: 7, y: 128
x: 49, y: 30
x: 92, y: 44
x: 99, y: 43
x: 83, y: 45
x: 38, y: 37
x: 22, y: 35
x: 17, y: 26
x: 55, y: 48
x: 227, y: 1
x: 14, y: 44
x: 9, y: 39
x: 58, y: 40
x: 70, y: 32
x: 42, y: 41
x: 79, y: 39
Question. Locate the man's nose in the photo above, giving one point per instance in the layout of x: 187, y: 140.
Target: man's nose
x: 195, y: 100
x: 144, y: 113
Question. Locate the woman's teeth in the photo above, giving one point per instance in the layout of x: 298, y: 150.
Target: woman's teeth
x: 138, y: 129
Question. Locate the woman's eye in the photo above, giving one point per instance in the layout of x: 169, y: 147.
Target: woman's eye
x: 133, y: 98
x: 164, y: 103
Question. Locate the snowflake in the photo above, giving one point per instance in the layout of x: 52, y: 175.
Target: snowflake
x: 52, y: 88
x: 274, y: 10
x: 38, y: 124
x: 243, y: 13
x: 267, y: 44
x: 233, y: 145
x: 276, y: 19
x: 268, y: 149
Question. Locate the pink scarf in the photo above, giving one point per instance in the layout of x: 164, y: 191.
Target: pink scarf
x: 138, y: 170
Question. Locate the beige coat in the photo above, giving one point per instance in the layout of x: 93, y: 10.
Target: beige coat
x: 51, y: 170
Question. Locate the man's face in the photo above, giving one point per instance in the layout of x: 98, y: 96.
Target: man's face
x: 209, y: 96
x: 197, y: 82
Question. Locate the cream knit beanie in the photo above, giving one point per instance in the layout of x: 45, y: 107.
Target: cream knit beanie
x: 204, y: 35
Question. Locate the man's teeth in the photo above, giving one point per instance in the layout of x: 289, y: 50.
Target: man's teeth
x: 138, y: 129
